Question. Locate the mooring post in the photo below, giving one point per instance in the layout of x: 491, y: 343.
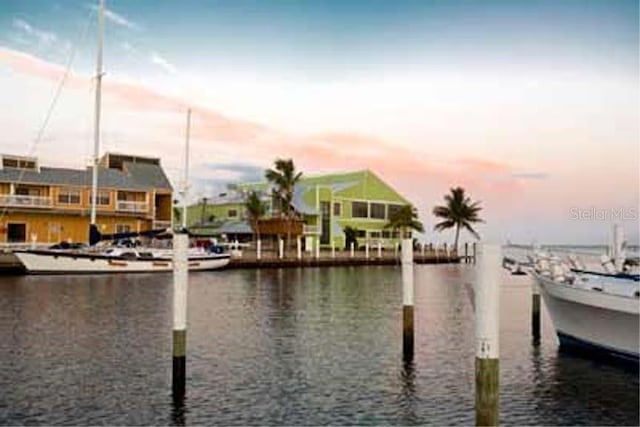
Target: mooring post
x: 618, y: 255
x: 366, y: 250
x: 280, y: 248
x: 487, y: 294
x: 299, y: 247
x: 407, y: 299
x: 379, y: 249
x: 180, y: 283
x: 535, y: 311
x: 352, y: 248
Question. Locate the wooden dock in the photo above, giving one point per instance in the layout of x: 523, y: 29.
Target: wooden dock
x: 248, y: 260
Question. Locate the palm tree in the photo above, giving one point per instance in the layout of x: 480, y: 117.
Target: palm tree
x: 284, y: 177
x: 256, y: 209
x: 405, y: 219
x: 458, y: 211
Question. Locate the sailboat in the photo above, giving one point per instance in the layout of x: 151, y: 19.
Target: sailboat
x: 113, y: 260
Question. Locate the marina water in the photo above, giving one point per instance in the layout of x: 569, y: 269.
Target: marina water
x: 293, y: 346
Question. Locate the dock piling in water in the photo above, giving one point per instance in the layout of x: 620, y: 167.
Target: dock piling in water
x: 180, y: 284
x: 299, y: 247
x: 535, y: 311
x: 366, y: 250
x: 487, y: 318
x: 280, y: 248
x: 352, y: 250
x: 407, y: 300
x: 258, y: 249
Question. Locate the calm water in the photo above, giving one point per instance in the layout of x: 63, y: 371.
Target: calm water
x: 312, y: 346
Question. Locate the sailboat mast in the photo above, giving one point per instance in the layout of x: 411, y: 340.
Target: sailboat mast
x: 96, y: 129
x: 185, y: 187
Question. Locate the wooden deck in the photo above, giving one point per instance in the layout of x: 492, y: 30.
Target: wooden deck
x: 270, y: 260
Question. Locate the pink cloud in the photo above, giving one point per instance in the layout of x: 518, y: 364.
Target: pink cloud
x: 401, y: 166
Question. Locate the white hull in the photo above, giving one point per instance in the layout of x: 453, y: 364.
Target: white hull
x: 592, y: 318
x: 49, y: 262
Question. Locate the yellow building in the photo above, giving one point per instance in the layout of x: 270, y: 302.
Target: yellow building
x: 51, y: 205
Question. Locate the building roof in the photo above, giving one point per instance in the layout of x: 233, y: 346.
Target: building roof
x: 134, y: 176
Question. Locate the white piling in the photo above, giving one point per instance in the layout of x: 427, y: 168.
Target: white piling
x: 333, y: 250
x: 487, y: 312
x: 180, y: 287
x: 280, y: 248
x: 259, y: 249
x: 366, y: 250
x: 317, y: 248
x: 379, y: 249
x: 407, y: 299
x: 352, y: 248
x: 299, y: 247
x: 618, y: 247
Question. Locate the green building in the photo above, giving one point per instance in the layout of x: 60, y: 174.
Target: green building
x: 327, y: 204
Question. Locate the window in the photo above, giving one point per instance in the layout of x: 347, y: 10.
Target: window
x: 375, y: 234
x: 395, y: 235
x: 359, y: 210
x: 123, y: 228
x: 103, y: 198
x: 232, y: 213
x: 337, y: 209
x: 27, y: 191
x: 361, y: 233
x: 377, y: 210
x: 386, y: 234
x: 69, y: 197
x: 393, y: 209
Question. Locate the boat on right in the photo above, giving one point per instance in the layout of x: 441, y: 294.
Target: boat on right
x: 595, y: 312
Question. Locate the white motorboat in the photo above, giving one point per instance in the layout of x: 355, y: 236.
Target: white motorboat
x: 598, y: 312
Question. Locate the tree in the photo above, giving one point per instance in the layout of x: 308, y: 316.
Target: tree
x: 458, y: 211
x: 177, y: 216
x: 350, y: 236
x: 405, y: 219
x: 256, y: 209
x: 284, y: 177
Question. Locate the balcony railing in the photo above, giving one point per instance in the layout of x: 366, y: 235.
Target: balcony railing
x: 161, y: 224
x: 25, y: 201
x: 134, y: 207
x: 310, y: 229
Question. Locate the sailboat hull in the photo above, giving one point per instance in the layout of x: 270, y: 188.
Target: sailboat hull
x: 64, y: 262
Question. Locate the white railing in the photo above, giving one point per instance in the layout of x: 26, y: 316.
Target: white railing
x: 125, y: 206
x: 310, y: 229
x: 25, y: 201
x: 161, y: 224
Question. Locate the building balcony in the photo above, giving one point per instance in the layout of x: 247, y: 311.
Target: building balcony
x: 132, y: 207
x: 15, y: 200
x: 157, y: 225
x: 310, y: 229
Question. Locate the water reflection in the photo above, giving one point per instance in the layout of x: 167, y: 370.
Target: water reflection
x: 295, y: 347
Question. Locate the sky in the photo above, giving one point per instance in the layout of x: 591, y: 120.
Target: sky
x: 531, y: 106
